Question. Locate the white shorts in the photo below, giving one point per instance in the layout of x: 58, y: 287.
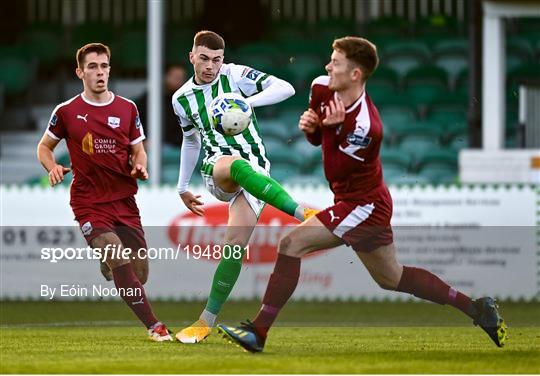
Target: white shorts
x: 255, y: 204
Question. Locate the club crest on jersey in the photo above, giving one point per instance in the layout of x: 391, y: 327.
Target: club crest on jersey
x: 138, y: 123
x: 113, y: 121
x: 253, y: 74
x: 357, y: 140
x: 53, y: 120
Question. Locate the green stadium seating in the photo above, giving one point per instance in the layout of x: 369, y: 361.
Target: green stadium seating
x: 385, y: 75
x: 393, y: 173
x: 282, y: 171
x: 453, y: 63
x: 460, y: 141
x: 380, y: 90
x: 427, y: 74
x: 395, y: 157
x: 301, y: 68
x: 402, y: 63
x: 170, y: 155
x: 417, y: 145
x: 88, y: 33
x: 451, y: 46
x: 425, y: 94
x: 285, y: 155
x: 452, y: 121
x: 275, y: 129
x: 263, y: 63
x: 43, y: 45
x: 16, y: 75
x: 437, y: 157
x: 439, y: 174
x: 406, y: 48
x: 410, y: 179
x: 132, y: 50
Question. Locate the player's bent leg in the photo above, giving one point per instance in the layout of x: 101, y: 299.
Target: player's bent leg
x: 230, y: 172
x: 242, y: 221
x: 129, y: 286
x: 383, y: 266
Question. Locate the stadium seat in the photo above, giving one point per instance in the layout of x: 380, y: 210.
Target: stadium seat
x: 385, y: 75
x: 453, y: 63
x: 404, y: 62
x: 435, y: 27
x: 395, y: 157
x: 406, y: 47
x: 437, y: 157
x: 452, y: 121
x: 410, y: 179
x: 274, y: 129
x: 416, y: 145
x: 439, y: 174
x: 286, y: 155
x: 378, y: 91
x: 281, y: 171
x: 425, y: 94
x: 395, y: 120
x: 460, y: 141
x: 451, y: 46
x: 426, y: 74
x: 392, y: 173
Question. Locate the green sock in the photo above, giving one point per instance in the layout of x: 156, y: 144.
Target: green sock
x: 263, y: 187
x: 225, y: 277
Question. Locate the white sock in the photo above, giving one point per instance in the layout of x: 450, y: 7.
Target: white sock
x: 209, y: 317
x: 299, y: 213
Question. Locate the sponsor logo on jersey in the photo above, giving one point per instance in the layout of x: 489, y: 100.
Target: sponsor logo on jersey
x: 113, y: 121
x: 357, y: 140
x: 86, y: 228
x: 253, y: 74
x: 54, y: 120
x: 92, y: 145
x: 138, y: 123
x: 88, y: 144
x: 83, y: 117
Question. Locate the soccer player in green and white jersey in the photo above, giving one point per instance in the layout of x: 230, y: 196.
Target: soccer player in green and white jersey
x: 235, y: 168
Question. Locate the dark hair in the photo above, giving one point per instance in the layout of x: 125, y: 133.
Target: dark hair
x: 209, y: 39
x: 98, y: 48
x: 360, y: 51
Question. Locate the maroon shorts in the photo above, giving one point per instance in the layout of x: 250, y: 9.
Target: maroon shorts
x: 363, y: 225
x: 120, y: 216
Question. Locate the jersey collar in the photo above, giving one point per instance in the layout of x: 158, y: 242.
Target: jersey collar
x: 96, y: 103
x: 353, y: 106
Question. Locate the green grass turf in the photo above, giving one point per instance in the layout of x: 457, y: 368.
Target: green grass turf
x: 103, y: 337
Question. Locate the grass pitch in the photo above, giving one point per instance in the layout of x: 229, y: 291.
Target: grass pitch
x: 103, y: 337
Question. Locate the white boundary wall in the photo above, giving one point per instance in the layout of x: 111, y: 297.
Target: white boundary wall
x: 492, y: 246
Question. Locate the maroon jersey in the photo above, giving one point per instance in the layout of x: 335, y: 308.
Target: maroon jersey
x: 98, y: 137
x: 351, y: 150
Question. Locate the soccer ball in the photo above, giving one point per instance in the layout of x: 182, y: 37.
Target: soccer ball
x: 231, y: 114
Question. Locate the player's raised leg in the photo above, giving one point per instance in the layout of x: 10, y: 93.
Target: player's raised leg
x: 308, y: 237
x: 231, y: 172
x: 242, y: 220
x: 129, y: 286
x: 391, y: 275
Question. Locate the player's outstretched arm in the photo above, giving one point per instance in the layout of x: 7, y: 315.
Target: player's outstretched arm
x: 45, y: 155
x: 275, y: 90
x: 139, y: 161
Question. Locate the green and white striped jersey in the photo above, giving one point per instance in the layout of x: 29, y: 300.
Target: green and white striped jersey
x: 191, y: 104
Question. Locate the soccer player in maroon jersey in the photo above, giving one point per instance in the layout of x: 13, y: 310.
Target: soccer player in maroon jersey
x: 104, y: 138
x: 345, y: 122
